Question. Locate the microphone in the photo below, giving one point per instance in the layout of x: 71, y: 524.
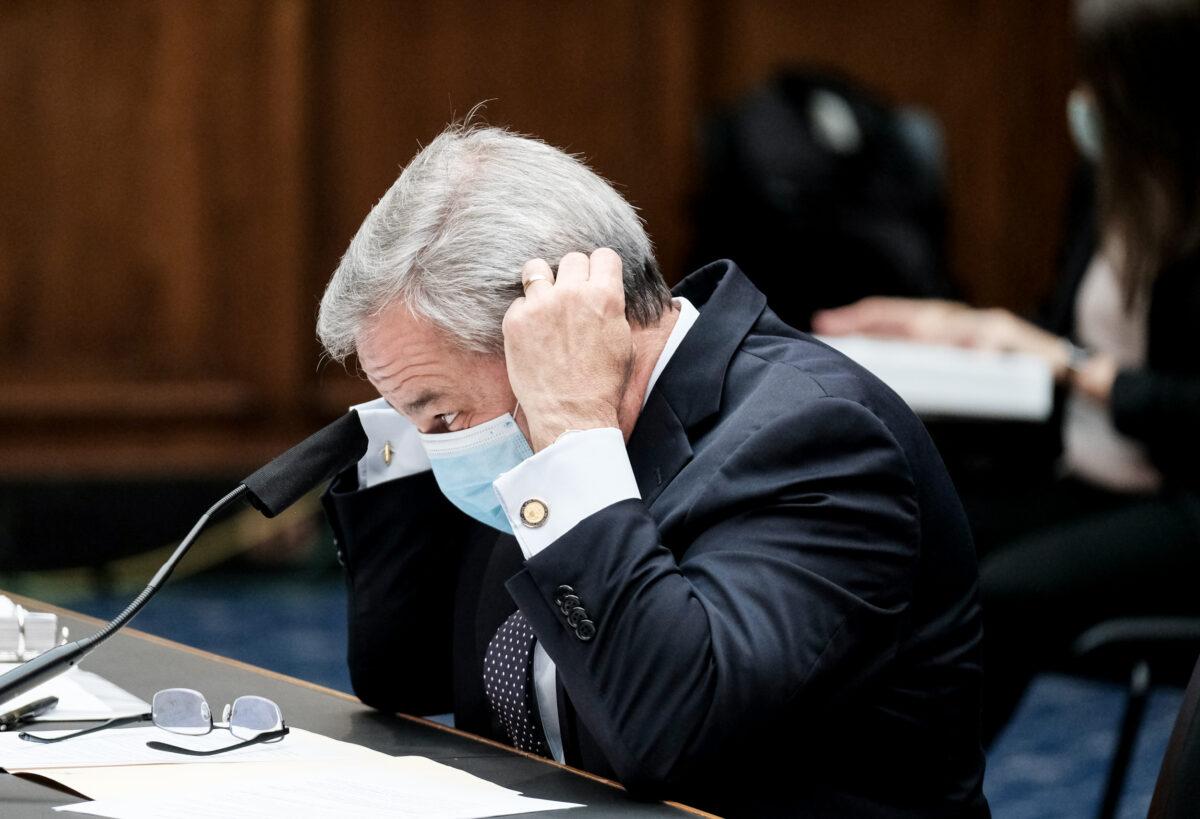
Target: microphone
x: 270, y: 490
x: 318, y: 458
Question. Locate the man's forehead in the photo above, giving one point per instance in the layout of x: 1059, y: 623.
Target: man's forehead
x: 413, y: 363
x: 395, y: 336
x: 398, y: 347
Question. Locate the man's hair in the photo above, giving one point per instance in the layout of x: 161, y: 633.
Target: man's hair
x: 450, y: 237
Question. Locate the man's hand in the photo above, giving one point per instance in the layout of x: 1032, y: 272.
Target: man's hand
x: 568, y: 346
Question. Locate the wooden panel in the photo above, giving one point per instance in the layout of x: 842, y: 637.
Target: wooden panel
x: 177, y: 180
x: 151, y: 228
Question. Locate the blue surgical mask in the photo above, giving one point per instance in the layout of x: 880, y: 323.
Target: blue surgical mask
x: 466, y: 462
x: 1084, y: 121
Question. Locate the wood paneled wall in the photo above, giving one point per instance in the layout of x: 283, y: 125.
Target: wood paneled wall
x: 177, y: 179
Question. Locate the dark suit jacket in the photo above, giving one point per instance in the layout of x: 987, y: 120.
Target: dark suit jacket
x: 786, y: 622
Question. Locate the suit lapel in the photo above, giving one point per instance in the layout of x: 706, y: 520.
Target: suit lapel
x: 690, y: 388
x: 658, y: 448
x: 504, y: 559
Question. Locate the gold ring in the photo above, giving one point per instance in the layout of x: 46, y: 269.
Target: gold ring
x: 536, y: 277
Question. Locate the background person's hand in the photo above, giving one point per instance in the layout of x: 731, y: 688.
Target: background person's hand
x: 935, y: 321
x: 1095, y: 378
x: 930, y: 320
x: 568, y: 345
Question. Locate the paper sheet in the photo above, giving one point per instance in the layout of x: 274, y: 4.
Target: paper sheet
x: 304, y: 775
x: 141, y: 780
x: 127, y: 746
x: 349, y: 794
x: 400, y: 787
x: 81, y: 696
x: 942, y: 381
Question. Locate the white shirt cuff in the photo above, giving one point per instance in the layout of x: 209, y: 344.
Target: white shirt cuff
x: 575, y: 477
x: 387, y: 428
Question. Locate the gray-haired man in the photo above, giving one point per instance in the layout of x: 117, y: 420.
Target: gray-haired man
x: 666, y: 539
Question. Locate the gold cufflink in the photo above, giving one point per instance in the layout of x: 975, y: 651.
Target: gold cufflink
x: 534, y: 513
x: 387, y: 453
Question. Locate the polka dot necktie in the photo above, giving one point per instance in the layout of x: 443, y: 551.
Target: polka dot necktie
x: 508, y: 681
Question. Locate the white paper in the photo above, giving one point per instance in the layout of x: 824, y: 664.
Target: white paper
x: 127, y: 746
x: 346, y: 791
x: 81, y: 696
x: 942, y: 381
x: 118, y: 782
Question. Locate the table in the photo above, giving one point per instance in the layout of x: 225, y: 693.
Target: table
x: 142, y: 663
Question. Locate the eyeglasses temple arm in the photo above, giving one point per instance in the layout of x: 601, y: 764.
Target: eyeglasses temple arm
x: 270, y: 736
x: 112, y: 723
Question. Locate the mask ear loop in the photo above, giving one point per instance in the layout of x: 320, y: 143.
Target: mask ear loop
x: 516, y: 409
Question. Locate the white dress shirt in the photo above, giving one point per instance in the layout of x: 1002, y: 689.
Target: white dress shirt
x: 578, y: 475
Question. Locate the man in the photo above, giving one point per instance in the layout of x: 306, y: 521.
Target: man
x: 668, y: 540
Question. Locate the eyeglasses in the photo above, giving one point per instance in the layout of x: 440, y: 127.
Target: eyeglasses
x: 184, y: 711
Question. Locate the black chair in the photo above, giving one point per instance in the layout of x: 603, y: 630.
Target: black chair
x: 1153, y: 650
x: 814, y: 160
x: 1177, y: 792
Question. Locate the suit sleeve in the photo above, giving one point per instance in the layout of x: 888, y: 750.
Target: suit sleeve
x: 791, y: 593
x: 400, y: 542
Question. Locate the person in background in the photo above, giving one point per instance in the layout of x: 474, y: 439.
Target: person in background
x: 1116, y: 531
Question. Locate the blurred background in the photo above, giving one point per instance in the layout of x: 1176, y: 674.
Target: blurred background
x: 178, y: 180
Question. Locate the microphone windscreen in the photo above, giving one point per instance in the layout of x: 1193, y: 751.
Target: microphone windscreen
x: 305, y: 466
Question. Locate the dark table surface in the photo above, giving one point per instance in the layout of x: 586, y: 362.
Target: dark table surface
x: 143, y: 664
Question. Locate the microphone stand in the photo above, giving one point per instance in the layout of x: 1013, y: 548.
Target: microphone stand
x: 270, y: 490
x: 53, y: 662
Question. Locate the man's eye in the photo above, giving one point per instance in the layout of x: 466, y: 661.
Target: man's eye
x: 447, y: 418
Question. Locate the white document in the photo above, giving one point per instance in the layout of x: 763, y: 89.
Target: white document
x: 127, y: 746
x: 118, y: 782
x: 397, y: 787
x: 955, y: 382
x: 81, y: 696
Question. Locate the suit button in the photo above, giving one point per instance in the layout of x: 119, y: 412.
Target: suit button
x: 560, y: 593
x: 568, y: 602
x: 586, y: 630
x: 577, y: 616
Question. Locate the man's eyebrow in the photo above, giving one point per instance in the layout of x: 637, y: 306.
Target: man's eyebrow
x: 421, y: 401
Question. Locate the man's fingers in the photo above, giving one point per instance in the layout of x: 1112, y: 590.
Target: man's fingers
x: 572, y: 269
x: 601, y: 270
x: 536, y: 277
x: 606, y: 276
x: 606, y: 267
